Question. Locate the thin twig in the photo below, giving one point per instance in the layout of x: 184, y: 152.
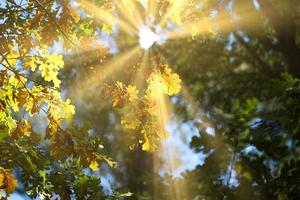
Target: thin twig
x: 230, y: 168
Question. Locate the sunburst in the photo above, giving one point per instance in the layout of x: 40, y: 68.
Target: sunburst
x: 149, y: 22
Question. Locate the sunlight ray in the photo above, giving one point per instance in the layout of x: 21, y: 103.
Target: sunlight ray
x: 170, y: 162
x: 87, y: 45
x: 174, y: 11
x: 164, y: 109
x: 131, y: 12
x: 196, y: 28
x: 140, y: 75
x: 152, y: 8
x: 107, y: 70
x: 106, y: 17
x: 194, y: 104
x: 222, y: 21
x: 205, y: 123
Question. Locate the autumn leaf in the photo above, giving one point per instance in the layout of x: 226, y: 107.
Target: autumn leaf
x: 29, y: 63
x: 118, y: 95
x: 132, y: 93
x: 163, y: 81
x: 50, y: 66
x: 61, y: 145
x: 23, y: 128
x: 22, y: 98
x: 94, y: 165
x: 7, y: 181
x: 155, y: 86
x: 130, y: 121
x: 148, y: 145
x: 143, y: 114
x: 67, y: 110
x: 171, y: 84
x: 12, y: 56
x: 170, y: 81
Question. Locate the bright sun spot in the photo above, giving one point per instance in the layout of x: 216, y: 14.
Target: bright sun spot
x: 150, y: 34
x: 147, y: 37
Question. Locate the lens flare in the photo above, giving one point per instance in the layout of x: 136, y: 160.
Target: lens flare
x: 147, y: 37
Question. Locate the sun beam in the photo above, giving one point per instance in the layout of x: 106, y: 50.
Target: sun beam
x: 105, y: 71
x: 132, y: 12
x: 109, y: 18
x: 140, y: 75
x: 174, y: 12
x: 144, y: 22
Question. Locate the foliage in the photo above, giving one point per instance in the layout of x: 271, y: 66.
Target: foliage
x: 30, y: 89
x: 31, y: 95
x: 143, y: 114
x: 245, y: 92
x: 7, y: 181
x: 237, y: 73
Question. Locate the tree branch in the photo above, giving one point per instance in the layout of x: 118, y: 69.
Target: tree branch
x: 57, y: 25
x: 263, y: 65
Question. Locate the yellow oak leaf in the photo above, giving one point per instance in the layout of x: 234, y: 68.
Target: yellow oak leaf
x: 155, y: 86
x: 132, y: 93
x: 94, y: 165
x: 148, y: 145
x: 29, y: 63
x: 67, y: 110
x: 50, y: 66
x: 171, y: 84
x: 164, y: 81
x: 12, y: 57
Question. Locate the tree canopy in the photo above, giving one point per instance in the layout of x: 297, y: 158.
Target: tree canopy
x: 92, y: 90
